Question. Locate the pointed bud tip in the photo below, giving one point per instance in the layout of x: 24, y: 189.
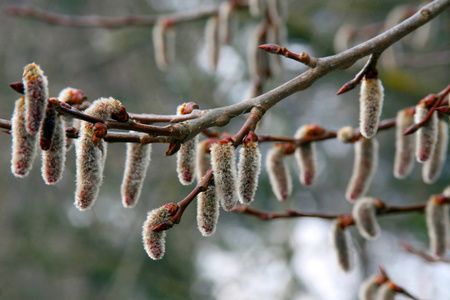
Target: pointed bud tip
x: 272, y: 48
x: 18, y: 87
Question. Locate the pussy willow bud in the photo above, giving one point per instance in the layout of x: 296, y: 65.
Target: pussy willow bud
x: 404, y: 144
x: 369, y: 288
x: 71, y: 96
x: 136, y: 165
x: 212, y: 42
x: 433, y: 166
x: 154, y: 241
x: 365, y: 164
x: 386, y: 292
x: 207, y: 211
x: 163, y: 43
x: 53, y: 160
x: 225, y: 21
x: 371, y: 104
x: 305, y: 154
x: 91, y: 154
x: 47, y: 128
x: 341, y: 244
x: 426, y: 135
x: 225, y: 175
x: 203, y: 160
x: 256, y: 7
x: 36, y: 94
x: 186, y: 155
x: 437, y: 217
x: 346, y: 134
x: 279, y: 175
x: 364, y: 214
x: 248, y: 168
x: 23, y: 144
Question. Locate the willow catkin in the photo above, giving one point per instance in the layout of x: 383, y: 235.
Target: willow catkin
x: 163, y: 43
x: 426, y: 136
x: 437, y: 218
x: 365, y: 164
x: 47, y: 128
x: 385, y: 292
x: 136, y: 164
x: 364, y: 214
x: 404, y: 144
x: 212, y: 42
x: 248, y: 171
x: 279, y: 175
x: 36, y: 94
x: 53, y: 159
x: 225, y: 174
x: 154, y: 241
x: 341, y: 245
x: 24, y: 145
x: 186, y: 161
x: 90, y: 158
x: 203, y: 159
x: 432, y: 168
x: 369, y: 288
x: 371, y: 104
x: 306, y: 157
x: 207, y: 211
x: 346, y: 134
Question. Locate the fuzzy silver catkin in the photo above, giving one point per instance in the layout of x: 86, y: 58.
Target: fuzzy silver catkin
x: 203, y: 160
x: 207, y: 211
x: 306, y: 157
x: 186, y: 161
x: 345, y: 134
x: 341, y: 243
x: 426, y: 136
x: 365, y: 164
x: 53, y: 160
x: 369, y: 288
x: 385, y: 292
x: 225, y: 22
x: 212, y: 42
x: 24, y: 145
x: 404, y: 145
x: 364, y: 214
x: 163, y: 44
x: 136, y: 164
x: 279, y: 175
x: 36, y: 93
x: 432, y: 168
x: 249, y: 168
x: 437, y: 218
x: 154, y: 241
x: 90, y: 159
x: 371, y: 104
x: 225, y: 175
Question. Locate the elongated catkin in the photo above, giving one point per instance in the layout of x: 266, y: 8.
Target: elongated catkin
x: 404, y: 144
x: 432, y: 168
x: 426, y: 136
x: 24, y: 145
x: 341, y: 244
x: 279, y: 175
x: 207, y: 211
x: 371, y: 104
x: 364, y: 214
x: 36, y: 94
x: 437, y: 218
x: 54, y: 159
x: 248, y: 169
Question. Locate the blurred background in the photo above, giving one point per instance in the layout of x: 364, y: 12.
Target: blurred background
x: 50, y: 250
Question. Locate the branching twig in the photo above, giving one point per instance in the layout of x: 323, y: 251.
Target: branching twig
x: 303, y: 57
x: 438, y: 99
x: 422, y: 254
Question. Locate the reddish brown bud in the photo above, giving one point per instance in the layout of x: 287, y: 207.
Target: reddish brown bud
x: 47, y: 128
x: 272, y: 48
x: 18, y: 87
x: 121, y: 115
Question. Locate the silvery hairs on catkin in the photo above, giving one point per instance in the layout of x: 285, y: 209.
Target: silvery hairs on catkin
x: 90, y: 158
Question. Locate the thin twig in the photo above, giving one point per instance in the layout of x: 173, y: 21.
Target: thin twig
x: 303, y: 57
x: 422, y: 254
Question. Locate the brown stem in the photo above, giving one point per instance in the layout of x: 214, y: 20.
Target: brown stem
x: 422, y: 254
x: 243, y: 209
x: 439, y: 99
x: 302, y: 57
x: 151, y: 118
